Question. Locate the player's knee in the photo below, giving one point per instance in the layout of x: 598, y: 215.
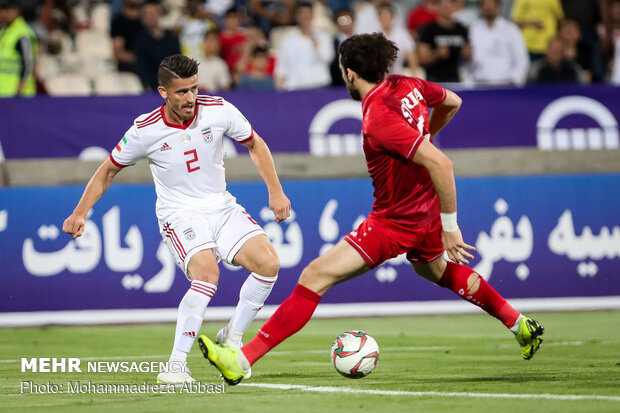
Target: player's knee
x: 270, y: 266
x: 203, y: 273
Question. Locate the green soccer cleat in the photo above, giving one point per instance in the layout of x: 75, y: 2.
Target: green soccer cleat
x: 224, y: 358
x: 529, y: 336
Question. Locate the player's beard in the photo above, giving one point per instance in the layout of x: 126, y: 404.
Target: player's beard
x: 355, y: 94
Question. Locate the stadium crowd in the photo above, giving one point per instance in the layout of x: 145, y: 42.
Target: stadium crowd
x: 82, y: 47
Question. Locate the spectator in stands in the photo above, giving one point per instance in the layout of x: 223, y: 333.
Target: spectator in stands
x: 258, y: 78
x: 554, y: 68
x: 125, y: 29
x: 538, y: 21
x: 232, y: 39
x: 345, y: 23
x: 614, y: 18
x: 153, y: 45
x: 499, y: 55
x: 367, y: 16
x: 268, y: 14
x: 444, y: 44
x: 589, y: 16
x: 304, y: 54
x: 213, y: 74
x: 254, y: 37
x: 18, y: 52
x: 575, y: 49
x: 194, y: 24
x: 402, y: 38
x: 422, y: 15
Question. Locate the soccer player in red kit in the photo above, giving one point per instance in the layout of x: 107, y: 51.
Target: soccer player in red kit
x: 414, y: 211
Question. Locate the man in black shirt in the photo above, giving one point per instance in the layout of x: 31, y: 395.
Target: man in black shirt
x: 444, y: 44
x: 125, y: 29
x: 554, y: 68
x: 153, y: 45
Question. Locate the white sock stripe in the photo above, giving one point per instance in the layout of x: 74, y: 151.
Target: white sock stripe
x: 266, y: 280
x: 204, y: 284
x: 208, y: 294
x: 205, y: 289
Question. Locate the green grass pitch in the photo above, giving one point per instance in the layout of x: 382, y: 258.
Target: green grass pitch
x: 427, y: 364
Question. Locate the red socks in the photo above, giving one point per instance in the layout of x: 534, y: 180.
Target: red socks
x: 472, y: 287
x: 289, y: 318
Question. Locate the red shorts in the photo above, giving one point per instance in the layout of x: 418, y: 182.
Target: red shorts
x: 377, y: 240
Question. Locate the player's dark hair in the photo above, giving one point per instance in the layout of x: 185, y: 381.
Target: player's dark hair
x: 368, y: 55
x: 176, y: 66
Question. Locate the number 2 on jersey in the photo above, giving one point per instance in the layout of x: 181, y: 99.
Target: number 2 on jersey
x: 191, y: 168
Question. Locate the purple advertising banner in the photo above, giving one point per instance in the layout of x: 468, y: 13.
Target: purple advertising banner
x: 322, y: 122
x: 536, y: 237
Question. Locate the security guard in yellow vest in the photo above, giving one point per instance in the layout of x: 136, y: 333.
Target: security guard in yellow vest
x: 18, y: 51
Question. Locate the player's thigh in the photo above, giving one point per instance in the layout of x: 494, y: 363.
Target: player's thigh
x: 339, y: 264
x: 258, y: 256
x: 203, y: 266
x: 234, y: 228
x: 433, y: 270
x: 186, y: 234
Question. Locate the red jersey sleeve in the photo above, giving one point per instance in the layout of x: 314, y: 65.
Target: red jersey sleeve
x: 433, y: 93
x: 388, y: 130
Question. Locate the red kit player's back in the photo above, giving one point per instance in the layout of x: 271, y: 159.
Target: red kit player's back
x: 395, y: 124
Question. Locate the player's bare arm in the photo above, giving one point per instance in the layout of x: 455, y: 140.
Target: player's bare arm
x: 261, y: 156
x: 443, y: 113
x: 96, y: 187
x: 440, y: 169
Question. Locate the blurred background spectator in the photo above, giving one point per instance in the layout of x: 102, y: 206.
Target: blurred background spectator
x: 213, y: 74
x: 304, y: 54
x: 153, y: 44
x: 194, y: 24
x: 580, y: 51
x: 345, y: 23
x: 499, y: 55
x: 125, y: 29
x: 422, y: 15
x: 254, y: 38
x: 554, y: 68
x: 589, y: 17
x: 268, y: 14
x: 18, y: 52
x: 258, y: 77
x: 402, y: 38
x: 538, y: 20
x: 444, y: 45
x: 232, y: 39
x: 614, y: 24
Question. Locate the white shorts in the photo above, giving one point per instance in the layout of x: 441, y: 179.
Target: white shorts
x: 224, y: 229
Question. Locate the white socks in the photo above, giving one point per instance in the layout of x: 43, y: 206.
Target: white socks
x: 515, y: 328
x: 189, y: 318
x: 252, y: 296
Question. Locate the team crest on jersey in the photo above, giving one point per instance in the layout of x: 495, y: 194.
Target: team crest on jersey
x: 189, y: 233
x: 207, y: 135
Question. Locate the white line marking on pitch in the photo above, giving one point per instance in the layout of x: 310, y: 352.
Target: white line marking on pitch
x: 325, y: 389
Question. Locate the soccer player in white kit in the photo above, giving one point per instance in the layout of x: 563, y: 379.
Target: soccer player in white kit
x: 198, y: 219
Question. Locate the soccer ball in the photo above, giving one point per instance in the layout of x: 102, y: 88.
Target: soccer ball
x: 355, y: 354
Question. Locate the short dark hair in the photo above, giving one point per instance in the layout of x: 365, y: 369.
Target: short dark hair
x: 368, y: 55
x: 258, y: 50
x: 176, y: 66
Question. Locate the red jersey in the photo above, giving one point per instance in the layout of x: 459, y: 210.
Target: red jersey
x: 395, y: 124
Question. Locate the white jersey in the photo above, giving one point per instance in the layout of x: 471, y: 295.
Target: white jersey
x: 187, y: 161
